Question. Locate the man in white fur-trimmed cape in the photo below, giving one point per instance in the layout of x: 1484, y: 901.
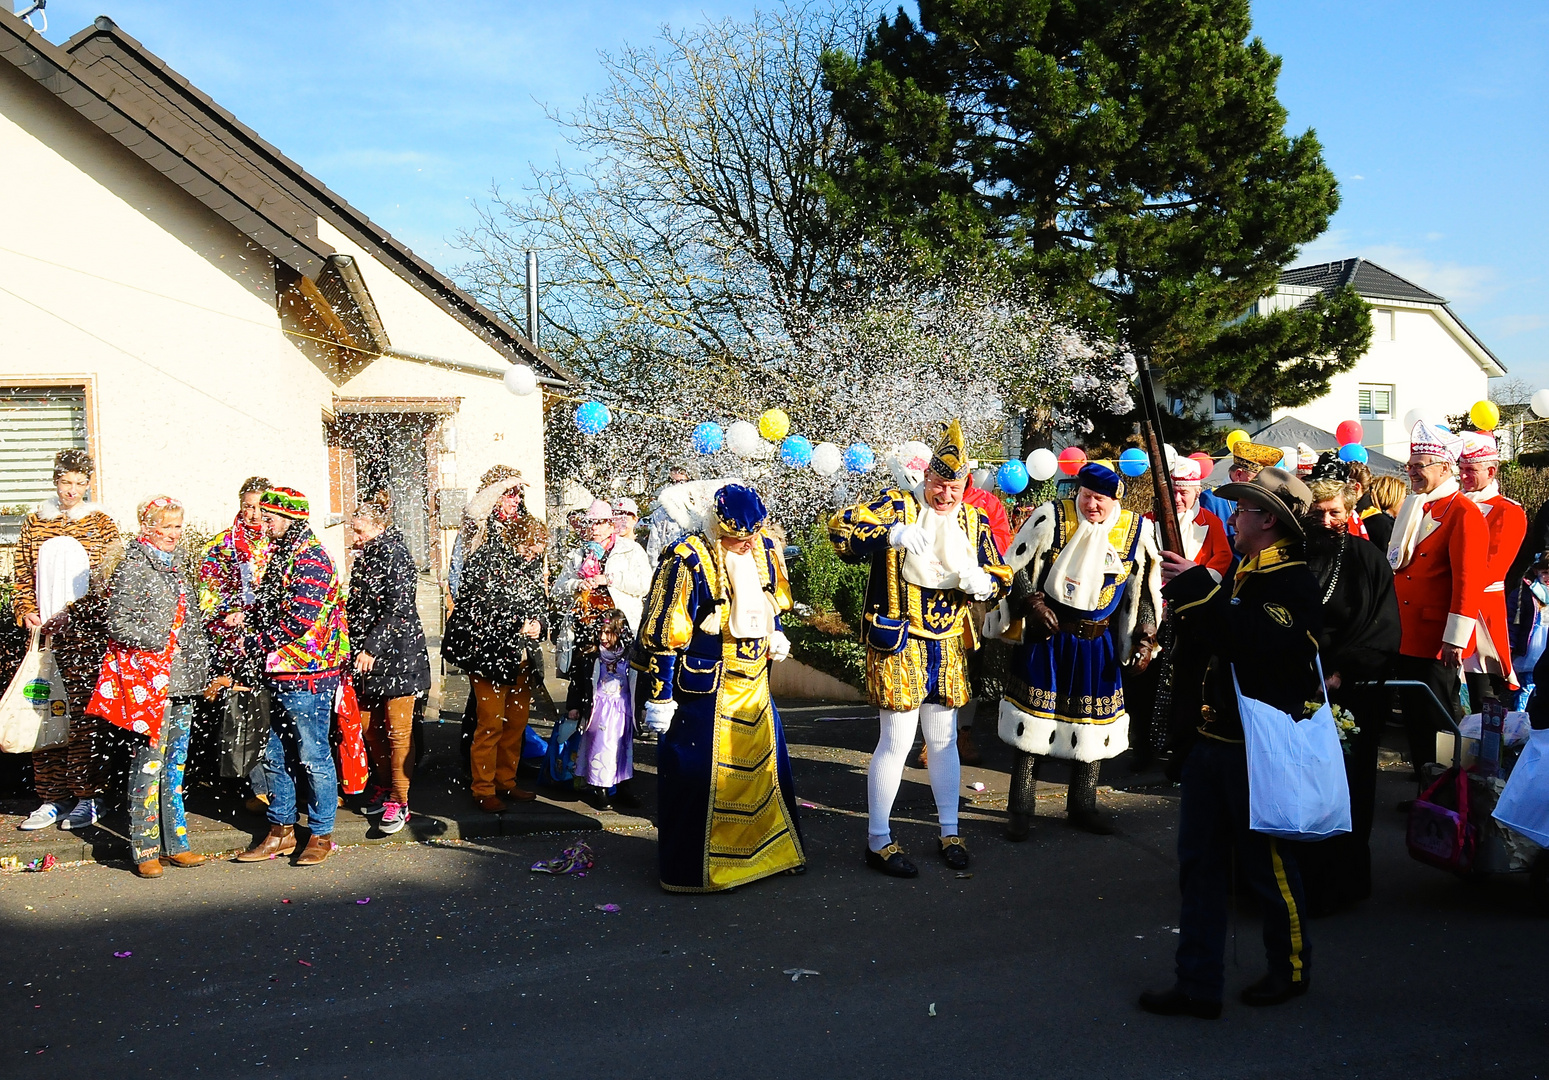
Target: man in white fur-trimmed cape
x: 1084, y: 601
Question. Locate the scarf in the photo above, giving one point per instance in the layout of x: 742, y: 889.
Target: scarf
x: 252, y: 546
x: 1410, y: 529
x: 1193, y: 538
x: 1076, y: 578
x: 163, y: 558
x: 1484, y: 494
x: 949, y: 555
x: 750, y: 615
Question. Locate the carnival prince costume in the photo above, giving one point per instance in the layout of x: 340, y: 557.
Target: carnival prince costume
x: 711, y: 627
x: 931, y: 555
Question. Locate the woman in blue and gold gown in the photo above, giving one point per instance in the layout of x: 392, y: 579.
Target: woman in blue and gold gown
x: 711, y: 627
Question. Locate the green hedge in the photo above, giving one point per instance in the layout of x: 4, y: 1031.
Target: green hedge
x: 842, y: 657
x: 822, y: 581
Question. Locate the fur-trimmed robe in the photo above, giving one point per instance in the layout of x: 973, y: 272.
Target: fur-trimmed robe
x: 1030, y: 555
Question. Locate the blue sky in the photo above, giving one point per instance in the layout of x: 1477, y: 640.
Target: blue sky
x: 1434, y: 115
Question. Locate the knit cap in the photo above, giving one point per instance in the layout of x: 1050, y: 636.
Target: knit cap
x: 286, y: 502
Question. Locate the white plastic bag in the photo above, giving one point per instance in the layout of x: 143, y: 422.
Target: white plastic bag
x: 1524, y: 805
x: 35, y: 712
x: 1296, y: 770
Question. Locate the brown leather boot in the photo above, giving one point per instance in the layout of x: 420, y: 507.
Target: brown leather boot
x: 148, y: 868
x: 183, y: 858
x: 490, y: 804
x: 280, y: 841
x: 967, y: 749
x: 318, y: 848
x: 517, y: 794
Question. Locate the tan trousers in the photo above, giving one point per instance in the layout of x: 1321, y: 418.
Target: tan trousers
x: 497, y: 741
x: 389, y: 732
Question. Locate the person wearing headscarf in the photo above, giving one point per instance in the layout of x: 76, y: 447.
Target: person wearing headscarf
x: 726, y: 803
x: 931, y: 556
x: 1488, y: 670
x: 1439, y: 553
x: 68, y: 778
x: 609, y: 570
x: 1085, y: 602
x: 1359, y: 641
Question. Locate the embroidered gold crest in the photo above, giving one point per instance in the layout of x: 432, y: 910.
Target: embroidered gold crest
x: 1279, y: 614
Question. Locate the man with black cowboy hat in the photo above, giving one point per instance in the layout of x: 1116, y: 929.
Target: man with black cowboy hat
x: 1259, y: 631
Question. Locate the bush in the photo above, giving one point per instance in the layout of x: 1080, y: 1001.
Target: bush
x: 1528, y: 486
x: 822, y: 581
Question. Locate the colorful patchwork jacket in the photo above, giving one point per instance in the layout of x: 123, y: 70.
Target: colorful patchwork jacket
x: 229, y: 574
x: 299, y: 621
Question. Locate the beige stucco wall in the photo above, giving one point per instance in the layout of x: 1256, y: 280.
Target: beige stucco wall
x: 122, y: 279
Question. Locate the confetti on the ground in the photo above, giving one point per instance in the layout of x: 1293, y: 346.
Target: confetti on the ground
x: 610, y: 908
x: 834, y: 719
x: 932, y: 1009
x: 964, y: 875
x: 977, y: 785
x: 797, y: 973
x: 575, y: 860
x: 125, y: 954
x: 304, y: 963
x: 807, y: 805
x: 284, y: 900
x: 364, y: 900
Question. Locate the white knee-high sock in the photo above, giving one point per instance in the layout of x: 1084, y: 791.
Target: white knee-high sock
x: 887, y: 771
x: 939, y: 723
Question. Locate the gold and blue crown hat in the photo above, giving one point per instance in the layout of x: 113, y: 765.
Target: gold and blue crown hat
x: 1101, y: 479
x: 739, y: 510
x: 950, y: 460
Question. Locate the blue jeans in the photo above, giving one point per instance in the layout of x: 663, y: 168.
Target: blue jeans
x: 156, y: 821
x: 298, y: 749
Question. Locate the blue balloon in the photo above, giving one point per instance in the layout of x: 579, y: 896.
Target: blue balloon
x: 796, y: 451
x: 592, y: 417
x: 709, y: 437
x: 1134, y: 461
x: 858, y: 458
x: 1353, y: 452
x: 1011, y: 477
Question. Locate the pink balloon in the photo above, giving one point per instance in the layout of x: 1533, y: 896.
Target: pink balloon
x: 1349, y: 432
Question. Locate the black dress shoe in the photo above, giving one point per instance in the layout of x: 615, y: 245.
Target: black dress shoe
x: 1093, y: 821
x: 891, y: 861
x: 1018, y: 827
x: 1175, y: 1002
x: 954, y: 852
x: 1274, y: 989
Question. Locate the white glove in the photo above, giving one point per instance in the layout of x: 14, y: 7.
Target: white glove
x: 779, y: 646
x: 910, y: 537
x: 658, y: 715
x: 977, y: 583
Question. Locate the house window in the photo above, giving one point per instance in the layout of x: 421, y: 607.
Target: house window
x: 1375, y: 401
x: 1176, y: 405
x: 1384, y: 325
x: 1223, y: 402
x: 36, y: 422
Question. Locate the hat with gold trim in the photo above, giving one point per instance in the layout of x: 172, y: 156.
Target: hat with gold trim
x: 950, y: 460
x: 1255, y: 456
x: 739, y: 511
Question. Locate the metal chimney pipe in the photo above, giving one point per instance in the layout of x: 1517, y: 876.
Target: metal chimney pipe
x: 532, y: 297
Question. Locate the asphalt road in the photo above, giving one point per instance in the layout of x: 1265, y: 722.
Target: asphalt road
x: 465, y: 964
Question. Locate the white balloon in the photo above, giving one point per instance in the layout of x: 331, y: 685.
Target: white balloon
x: 1540, y: 403
x: 1411, y: 418
x: 1042, y: 464
x: 521, y: 380
x: 983, y: 478
x: 827, y: 459
x: 1288, y: 458
x: 743, y: 439
x: 1170, y: 454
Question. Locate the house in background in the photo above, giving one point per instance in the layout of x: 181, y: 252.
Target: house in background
x: 1422, y: 357
x: 192, y: 306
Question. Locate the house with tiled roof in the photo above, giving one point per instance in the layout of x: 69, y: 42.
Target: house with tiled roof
x: 1422, y: 358
x: 195, y: 308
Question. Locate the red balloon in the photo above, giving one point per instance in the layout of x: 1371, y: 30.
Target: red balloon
x: 1349, y: 432
x: 1071, y: 459
x: 1206, y: 462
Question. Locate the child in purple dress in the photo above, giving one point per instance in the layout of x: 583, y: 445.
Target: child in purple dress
x: 601, y: 702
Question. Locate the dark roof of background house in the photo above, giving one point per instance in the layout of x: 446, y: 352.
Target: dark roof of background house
x: 1373, y: 282
x: 129, y: 93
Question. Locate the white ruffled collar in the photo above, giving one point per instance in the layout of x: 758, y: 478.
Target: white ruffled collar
x: 49, y: 509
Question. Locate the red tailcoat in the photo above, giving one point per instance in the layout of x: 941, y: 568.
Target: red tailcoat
x: 989, y: 502
x: 1439, y: 590
x: 1507, y: 525
x: 1215, y: 550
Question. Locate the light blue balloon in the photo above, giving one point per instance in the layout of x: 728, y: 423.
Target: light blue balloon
x: 709, y: 437
x: 1353, y: 452
x: 592, y: 417
x: 858, y: 458
x: 796, y: 451
x: 1011, y: 477
x: 1134, y: 461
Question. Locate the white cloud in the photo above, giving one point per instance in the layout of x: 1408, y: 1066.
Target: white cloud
x: 1458, y: 283
x: 1507, y: 325
x: 1357, y: 176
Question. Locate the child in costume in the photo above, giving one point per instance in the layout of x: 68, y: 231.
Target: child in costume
x: 601, y: 702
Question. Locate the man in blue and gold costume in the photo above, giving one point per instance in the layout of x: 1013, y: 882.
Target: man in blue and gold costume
x: 1084, y: 602
x: 931, y: 556
x: 711, y: 627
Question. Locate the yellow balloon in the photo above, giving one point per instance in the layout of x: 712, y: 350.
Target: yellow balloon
x: 1485, y: 415
x: 774, y: 425
x: 1106, y: 463
x: 1235, y: 437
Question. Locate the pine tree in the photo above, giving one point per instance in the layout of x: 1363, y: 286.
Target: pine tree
x: 1128, y: 155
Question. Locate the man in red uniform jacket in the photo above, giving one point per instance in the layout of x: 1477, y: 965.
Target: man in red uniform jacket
x: 1439, y: 554
x: 1488, y: 670
x: 1203, y: 533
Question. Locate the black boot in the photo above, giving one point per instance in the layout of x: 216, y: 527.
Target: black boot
x: 1081, y: 800
x: 1022, y: 797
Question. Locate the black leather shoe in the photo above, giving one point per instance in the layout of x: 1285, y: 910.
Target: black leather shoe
x: 954, y: 852
x: 1175, y: 1002
x: 1093, y: 821
x: 891, y: 861
x: 1274, y: 989
x: 1019, y: 827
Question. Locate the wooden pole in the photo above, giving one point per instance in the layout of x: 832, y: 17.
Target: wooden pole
x: 1161, y: 475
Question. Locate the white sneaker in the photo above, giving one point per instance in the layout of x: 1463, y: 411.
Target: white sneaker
x: 84, y: 814
x: 41, y: 818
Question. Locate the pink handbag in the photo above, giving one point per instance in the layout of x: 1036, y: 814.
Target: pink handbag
x: 1439, y: 834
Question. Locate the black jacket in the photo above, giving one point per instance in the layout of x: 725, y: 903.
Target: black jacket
x: 500, y: 590
x: 1360, y: 609
x: 385, y: 622
x: 1265, y: 624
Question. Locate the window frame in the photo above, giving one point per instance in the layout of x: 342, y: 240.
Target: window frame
x: 87, y: 384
